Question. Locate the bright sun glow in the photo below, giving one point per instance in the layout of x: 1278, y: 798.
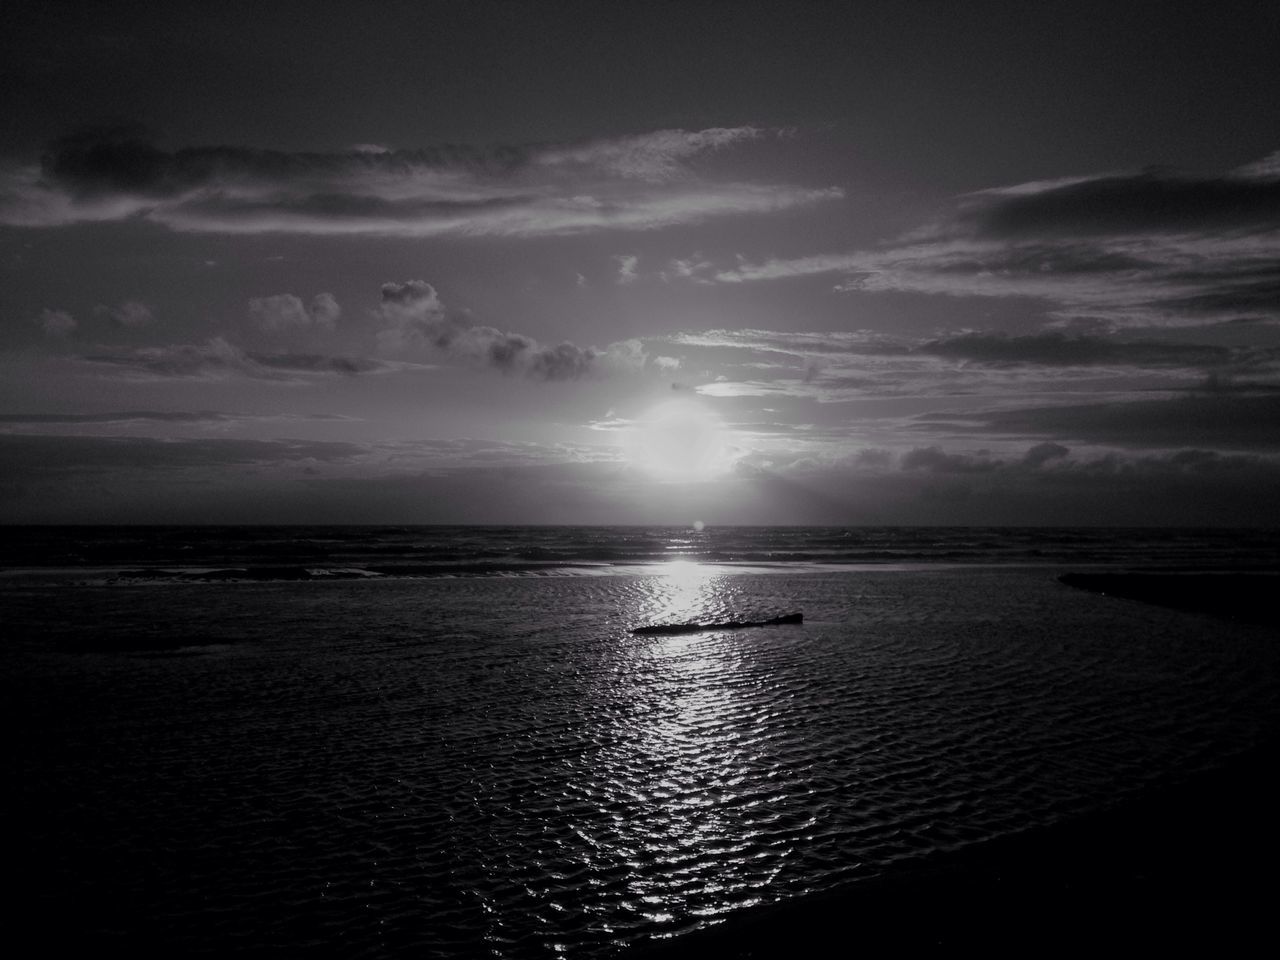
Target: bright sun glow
x: 680, y: 440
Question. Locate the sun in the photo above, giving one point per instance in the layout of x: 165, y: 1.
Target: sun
x: 680, y: 440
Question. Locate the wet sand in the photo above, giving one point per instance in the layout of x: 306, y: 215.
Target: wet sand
x: 1245, y: 597
x: 1191, y: 867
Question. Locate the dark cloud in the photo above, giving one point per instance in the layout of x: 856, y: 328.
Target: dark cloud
x: 1046, y: 483
x: 1043, y: 453
x: 1059, y: 349
x: 112, y: 160
x: 1146, y: 202
x: 1222, y: 422
x: 934, y: 460
x: 637, y: 182
x: 1242, y: 298
x: 1039, y: 258
x: 1148, y: 249
x: 124, y: 160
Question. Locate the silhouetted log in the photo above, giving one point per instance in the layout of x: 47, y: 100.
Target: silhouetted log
x: 672, y: 628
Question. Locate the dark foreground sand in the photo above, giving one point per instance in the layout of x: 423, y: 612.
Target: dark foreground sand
x: 1189, y: 869
x: 1246, y: 597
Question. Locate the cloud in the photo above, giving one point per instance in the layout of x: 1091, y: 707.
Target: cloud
x: 127, y: 315
x: 1043, y: 453
x: 56, y: 323
x: 1152, y: 201
x: 286, y: 313
x: 667, y: 365
x: 149, y: 418
x: 1226, y: 422
x: 1043, y: 484
x: 842, y: 366
x: 627, y: 264
x: 124, y: 416
x: 1038, y: 463
x: 656, y: 157
x: 35, y: 456
x: 694, y: 269
x: 214, y: 359
x: 412, y: 323
x: 218, y: 359
x: 413, y: 319
x: 934, y: 460
x: 799, y: 343
x: 1155, y: 248
x: 640, y: 182
x: 1060, y: 349
x: 1053, y: 348
x: 1055, y: 461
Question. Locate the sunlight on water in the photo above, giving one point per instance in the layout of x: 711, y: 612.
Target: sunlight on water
x: 681, y: 592
x: 686, y: 571
x: 691, y: 752
x: 494, y: 766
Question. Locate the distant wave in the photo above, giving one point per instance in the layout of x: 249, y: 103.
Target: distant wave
x: 262, y: 554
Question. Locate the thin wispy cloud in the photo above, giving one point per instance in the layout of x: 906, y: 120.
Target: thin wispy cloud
x: 835, y: 367
x: 56, y: 323
x: 128, y: 315
x: 122, y: 416
x: 657, y: 157
x: 219, y: 359
x: 171, y: 423
x: 1230, y: 422
x: 1149, y: 249
x: 640, y: 182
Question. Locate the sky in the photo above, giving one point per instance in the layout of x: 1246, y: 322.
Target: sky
x: 728, y: 262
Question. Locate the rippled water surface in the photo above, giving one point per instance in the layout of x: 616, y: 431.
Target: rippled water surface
x: 497, y: 766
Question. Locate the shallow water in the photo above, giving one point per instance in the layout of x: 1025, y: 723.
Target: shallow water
x: 496, y: 766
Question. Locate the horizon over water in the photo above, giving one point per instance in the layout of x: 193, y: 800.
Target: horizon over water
x: 362, y: 551
x: 447, y: 740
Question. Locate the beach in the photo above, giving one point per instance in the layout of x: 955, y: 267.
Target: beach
x: 479, y: 765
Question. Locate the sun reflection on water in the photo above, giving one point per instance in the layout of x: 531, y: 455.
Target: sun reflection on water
x: 683, y: 754
x: 682, y: 589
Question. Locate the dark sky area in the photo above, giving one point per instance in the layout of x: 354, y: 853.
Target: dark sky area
x: 640, y: 262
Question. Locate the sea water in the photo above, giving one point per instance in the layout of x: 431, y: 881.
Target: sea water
x: 447, y: 742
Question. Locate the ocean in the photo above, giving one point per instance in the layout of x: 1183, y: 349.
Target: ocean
x: 447, y: 742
